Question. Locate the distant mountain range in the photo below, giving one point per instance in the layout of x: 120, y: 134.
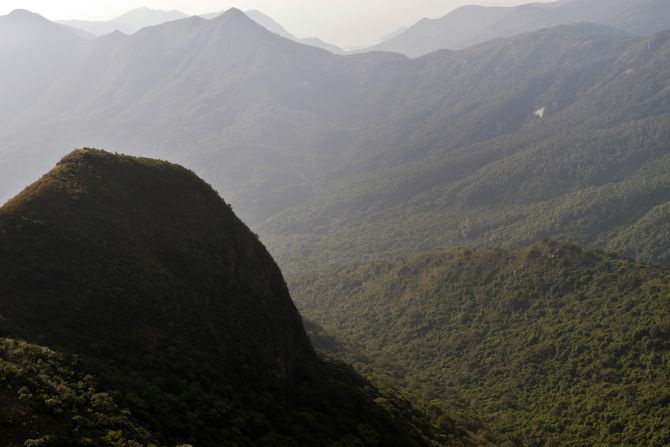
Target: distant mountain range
x: 270, y: 24
x: 127, y: 23
x: 135, y: 20
x: 561, y: 132
x: 137, y: 309
x: 464, y: 27
x: 471, y: 25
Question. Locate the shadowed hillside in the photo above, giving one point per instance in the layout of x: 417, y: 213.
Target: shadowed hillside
x: 162, y: 318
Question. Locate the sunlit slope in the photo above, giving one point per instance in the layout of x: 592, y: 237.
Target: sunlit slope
x: 550, y: 344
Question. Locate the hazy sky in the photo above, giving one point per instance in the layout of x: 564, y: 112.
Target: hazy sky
x: 343, y: 22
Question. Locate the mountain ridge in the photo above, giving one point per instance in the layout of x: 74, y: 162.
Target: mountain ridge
x: 137, y: 19
x: 471, y: 25
x: 309, y: 146
x: 127, y: 23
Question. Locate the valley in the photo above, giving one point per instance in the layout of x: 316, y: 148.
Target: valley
x: 219, y: 232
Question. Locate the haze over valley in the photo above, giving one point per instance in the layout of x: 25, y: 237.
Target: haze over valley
x: 472, y: 215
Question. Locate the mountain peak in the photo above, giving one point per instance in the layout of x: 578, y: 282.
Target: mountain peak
x: 236, y: 21
x: 158, y: 218
x: 140, y: 269
x: 22, y: 24
x: 22, y: 13
x: 234, y: 14
x: 26, y: 16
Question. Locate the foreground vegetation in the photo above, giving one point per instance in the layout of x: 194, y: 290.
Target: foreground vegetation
x: 47, y: 401
x: 50, y: 399
x: 550, y: 344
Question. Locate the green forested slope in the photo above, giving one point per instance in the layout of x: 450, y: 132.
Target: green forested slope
x: 45, y: 399
x: 155, y: 315
x: 589, y: 170
x: 550, y: 344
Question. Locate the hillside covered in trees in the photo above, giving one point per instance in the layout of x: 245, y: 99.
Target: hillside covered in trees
x: 152, y: 315
x: 136, y: 309
x: 551, y: 344
x: 561, y: 133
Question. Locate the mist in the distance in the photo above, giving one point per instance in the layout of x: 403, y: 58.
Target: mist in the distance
x: 346, y: 23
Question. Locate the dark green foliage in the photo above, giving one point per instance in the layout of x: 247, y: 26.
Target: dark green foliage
x: 44, y: 400
x: 550, y: 344
x: 162, y: 300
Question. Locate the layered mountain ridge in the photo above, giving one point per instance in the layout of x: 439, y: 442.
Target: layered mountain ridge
x: 313, y: 149
x: 136, y: 309
x: 133, y: 21
x: 472, y: 25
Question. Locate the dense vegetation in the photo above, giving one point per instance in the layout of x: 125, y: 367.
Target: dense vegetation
x: 132, y: 280
x: 45, y: 400
x: 157, y: 316
x: 50, y: 399
x: 592, y: 170
x: 550, y: 344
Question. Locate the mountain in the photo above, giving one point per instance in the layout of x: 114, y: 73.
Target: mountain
x: 152, y: 314
x: 96, y: 28
x: 512, y: 141
x: 133, y: 21
x: 560, y: 132
x: 454, y: 31
x: 471, y: 25
x: 318, y: 43
x: 142, y: 17
x: 34, y: 52
x: 115, y: 72
x: 395, y: 33
x: 271, y: 25
x: 127, y: 23
x: 550, y: 344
